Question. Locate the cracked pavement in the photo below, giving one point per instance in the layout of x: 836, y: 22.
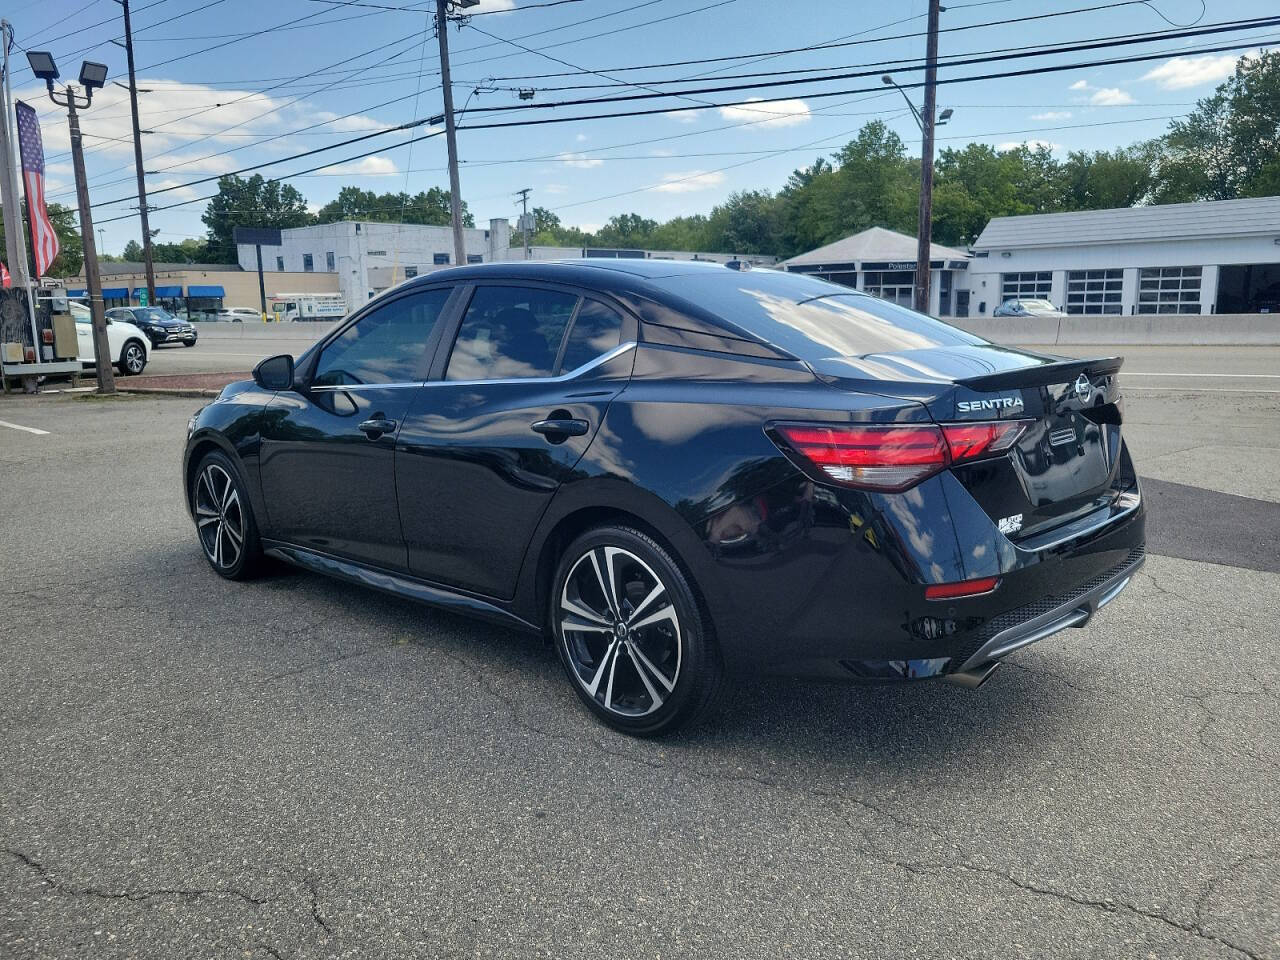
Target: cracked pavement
x: 299, y: 768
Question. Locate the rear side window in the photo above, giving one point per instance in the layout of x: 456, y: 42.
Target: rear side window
x: 510, y: 333
x: 596, y: 330
x: 386, y: 345
x: 812, y: 319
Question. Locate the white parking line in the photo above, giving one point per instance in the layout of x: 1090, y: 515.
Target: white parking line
x: 18, y: 426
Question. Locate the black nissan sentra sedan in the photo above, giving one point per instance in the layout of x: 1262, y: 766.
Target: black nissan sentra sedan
x: 681, y: 471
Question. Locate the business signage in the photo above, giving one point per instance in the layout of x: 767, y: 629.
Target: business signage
x: 258, y: 236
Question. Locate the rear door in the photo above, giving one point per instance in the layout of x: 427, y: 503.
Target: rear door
x: 515, y: 397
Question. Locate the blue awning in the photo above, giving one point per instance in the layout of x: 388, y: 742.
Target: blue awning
x: 161, y: 291
x: 78, y: 293
x: 115, y: 293
x: 193, y: 291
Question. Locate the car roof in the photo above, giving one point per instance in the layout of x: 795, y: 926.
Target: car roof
x: 581, y: 270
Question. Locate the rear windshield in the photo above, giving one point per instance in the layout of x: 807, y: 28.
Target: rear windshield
x: 779, y: 307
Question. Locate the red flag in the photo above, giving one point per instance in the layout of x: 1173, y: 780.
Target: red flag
x: 44, y: 242
x: 6, y: 281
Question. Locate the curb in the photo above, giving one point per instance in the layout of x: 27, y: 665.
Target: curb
x: 169, y: 391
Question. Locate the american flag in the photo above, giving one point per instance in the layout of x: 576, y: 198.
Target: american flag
x: 43, y: 240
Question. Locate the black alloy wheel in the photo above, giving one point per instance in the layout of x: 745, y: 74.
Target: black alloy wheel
x: 630, y: 633
x: 224, y: 519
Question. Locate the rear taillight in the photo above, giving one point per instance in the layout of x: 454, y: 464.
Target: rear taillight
x: 963, y: 588
x: 891, y: 457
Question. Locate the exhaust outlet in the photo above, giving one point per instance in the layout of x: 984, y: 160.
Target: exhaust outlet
x: 974, y: 678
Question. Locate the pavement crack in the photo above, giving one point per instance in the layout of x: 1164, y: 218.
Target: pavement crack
x: 328, y: 662
x: 49, y: 879
x: 1195, y: 928
x: 313, y: 886
x: 1163, y: 590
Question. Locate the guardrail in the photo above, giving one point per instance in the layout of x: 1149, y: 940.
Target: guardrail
x: 1217, y: 330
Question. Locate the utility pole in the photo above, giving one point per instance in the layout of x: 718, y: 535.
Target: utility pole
x: 524, y: 218
x: 924, y: 234
x: 147, y: 259
x: 93, y: 279
x: 450, y: 133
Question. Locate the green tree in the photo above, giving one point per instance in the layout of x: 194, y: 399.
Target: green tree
x: 626, y: 230
x: 70, y: 256
x: 133, y: 252
x: 429, y: 207
x: 748, y: 222
x: 1227, y: 147
x: 255, y: 202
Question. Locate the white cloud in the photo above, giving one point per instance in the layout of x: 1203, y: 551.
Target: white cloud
x: 1182, y: 72
x: 493, y: 6
x: 683, y: 116
x: 582, y: 138
x: 661, y: 152
x: 783, y: 113
x: 1102, y: 96
x: 555, y: 189
x: 366, y: 166
x: 690, y: 181
x: 578, y: 160
x: 1110, y: 97
x: 1031, y: 144
x: 1052, y: 115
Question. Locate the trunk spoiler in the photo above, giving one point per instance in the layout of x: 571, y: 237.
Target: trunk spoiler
x: 1062, y: 371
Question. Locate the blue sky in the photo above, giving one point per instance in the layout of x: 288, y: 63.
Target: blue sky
x: 216, y: 94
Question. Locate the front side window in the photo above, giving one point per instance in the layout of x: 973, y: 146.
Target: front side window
x: 596, y: 330
x: 387, y: 345
x: 509, y: 333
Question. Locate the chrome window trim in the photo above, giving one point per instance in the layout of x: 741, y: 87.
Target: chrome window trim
x: 617, y: 351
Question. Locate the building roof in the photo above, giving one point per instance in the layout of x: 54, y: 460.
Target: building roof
x: 876, y: 244
x: 114, y: 268
x: 1170, y: 221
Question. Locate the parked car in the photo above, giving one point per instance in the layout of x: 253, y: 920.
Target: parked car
x: 1027, y: 308
x: 237, y: 315
x: 159, y: 325
x: 677, y: 471
x: 130, y: 348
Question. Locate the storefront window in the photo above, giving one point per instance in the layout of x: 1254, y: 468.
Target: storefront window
x: 1169, y: 290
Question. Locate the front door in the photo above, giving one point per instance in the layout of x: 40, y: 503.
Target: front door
x: 507, y: 415
x: 328, y: 448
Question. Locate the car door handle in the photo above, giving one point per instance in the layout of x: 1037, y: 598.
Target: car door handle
x: 560, y: 428
x: 376, y: 427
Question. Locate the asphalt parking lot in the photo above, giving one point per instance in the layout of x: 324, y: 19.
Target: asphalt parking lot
x: 299, y: 768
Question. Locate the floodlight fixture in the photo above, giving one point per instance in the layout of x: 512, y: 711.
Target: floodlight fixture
x: 93, y: 76
x: 42, y: 65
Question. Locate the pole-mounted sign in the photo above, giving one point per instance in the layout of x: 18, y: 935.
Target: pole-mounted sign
x: 260, y: 237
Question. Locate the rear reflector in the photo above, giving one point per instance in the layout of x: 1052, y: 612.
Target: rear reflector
x: 891, y: 458
x: 965, y: 588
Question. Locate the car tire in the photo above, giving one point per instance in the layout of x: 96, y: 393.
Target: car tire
x: 656, y: 671
x: 188, y: 343
x: 133, y: 358
x: 225, y: 525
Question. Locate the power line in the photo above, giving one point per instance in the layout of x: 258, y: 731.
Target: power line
x: 650, y: 111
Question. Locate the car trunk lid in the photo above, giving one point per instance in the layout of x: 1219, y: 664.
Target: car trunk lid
x: 1065, y: 464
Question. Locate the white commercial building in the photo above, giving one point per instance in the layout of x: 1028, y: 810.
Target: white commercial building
x: 1193, y: 258
x: 883, y: 263
x: 371, y: 257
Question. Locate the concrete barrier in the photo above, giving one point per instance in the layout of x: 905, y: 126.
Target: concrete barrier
x: 1223, y: 329
x: 264, y: 331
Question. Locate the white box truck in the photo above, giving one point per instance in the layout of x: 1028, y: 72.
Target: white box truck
x: 285, y: 307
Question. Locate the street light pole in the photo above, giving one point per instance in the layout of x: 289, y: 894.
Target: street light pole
x: 93, y: 279
x: 147, y: 258
x: 450, y: 134
x: 523, y: 194
x: 924, y: 234
x: 92, y: 77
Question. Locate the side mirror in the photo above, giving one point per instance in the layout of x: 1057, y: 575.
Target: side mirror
x: 275, y: 373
